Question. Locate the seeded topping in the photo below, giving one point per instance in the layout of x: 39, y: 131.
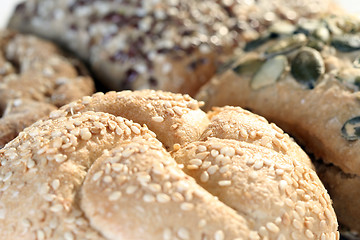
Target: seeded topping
x: 140, y: 43
x: 101, y: 173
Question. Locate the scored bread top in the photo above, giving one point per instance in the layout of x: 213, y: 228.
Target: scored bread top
x: 99, y: 175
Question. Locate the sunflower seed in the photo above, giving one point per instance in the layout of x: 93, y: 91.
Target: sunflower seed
x: 307, y: 66
x: 286, y: 45
x: 250, y: 65
x: 346, y: 42
x: 269, y: 72
x: 351, y: 129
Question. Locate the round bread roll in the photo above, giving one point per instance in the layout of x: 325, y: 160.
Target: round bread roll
x: 99, y: 175
x: 168, y: 44
x: 305, y: 78
x: 35, y: 79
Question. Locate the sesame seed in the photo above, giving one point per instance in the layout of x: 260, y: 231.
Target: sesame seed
x: 40, y: 234
x: 131, y: 189
x: 219, y: 235
x: 328, y: 214
x: 192, y: 167
x: 272, y: 227
x: 68, y: 236
x: 148, y: 198
x: 201, y: 148
x: 206, y: 164
x: 154, y: 187
x: 309, y: 234
x: 158, y: 119
x: 135, y: 129
x: 97, y: 175
x: 187, y: 206
x: 56, y: 208
x: 162, y: 198
x: 297, y: 224
x: 202, y: 223
x: 26, y: 222
x: 227, y: 151
x: 107, y: 179
x: 243, y: 133
x: 202, y: 155
x: 7, y: 176
x: 224, y: 183
x: 204, y: 177
x: 85, y: 134
x: 196, y: 162
x: 250, y: 160
x: 30, y: 163
x: 279, y: 172
x: 214, y: 153
x: 167, y: 234
x: 282, y: 185
x: 258, y: 164
x: 183, y: 233
x: 115, y: 196
x: 224, y: 169
x: 178, y: 110
x: 117, y: 167
x: 211, y: 170
x: 177, y: 197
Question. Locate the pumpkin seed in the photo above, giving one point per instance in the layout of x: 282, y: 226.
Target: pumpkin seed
x: 307, y: 66
x: 346, y: 43
x: 269, y: 73
x: 286, y: 45
x: 248, y: 66
x: 351, y: 129
x: 356, y: 62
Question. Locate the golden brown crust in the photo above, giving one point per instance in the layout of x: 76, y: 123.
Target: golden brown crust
x: 342, y: 188
x: 35, y: 78
x: 307, y: 83
x: 175, y: 118
x: 101, y: 176
x: 18, y: 115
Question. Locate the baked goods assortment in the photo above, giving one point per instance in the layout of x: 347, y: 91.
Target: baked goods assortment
x: 305, y: 78
x: 152, y: 165
x: 169, y: 44
x: 35, y: 79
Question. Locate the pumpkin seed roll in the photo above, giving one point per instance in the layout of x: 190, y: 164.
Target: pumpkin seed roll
x: 305, y: 78
x: 35, y: 78
x: 172, y: 45
x: 152, y: 165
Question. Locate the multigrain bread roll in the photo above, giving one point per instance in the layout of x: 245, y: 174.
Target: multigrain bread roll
x: 152, y: 165
x: 168, y: 44
x: 35, y: 79
x: 305, y: 78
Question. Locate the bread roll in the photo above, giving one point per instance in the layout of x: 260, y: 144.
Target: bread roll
x: 166, y: 45
x: 35, y: 78
x: 305, y: 78
x: 99, y: 175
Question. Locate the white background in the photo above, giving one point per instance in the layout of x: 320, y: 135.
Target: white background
x: 7, y: 6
